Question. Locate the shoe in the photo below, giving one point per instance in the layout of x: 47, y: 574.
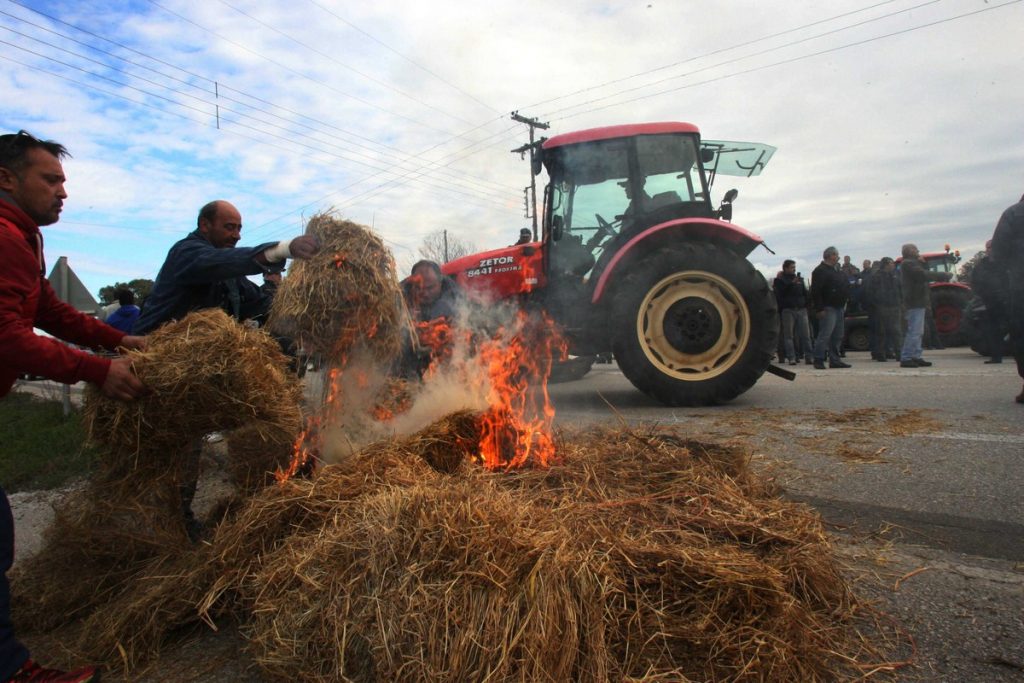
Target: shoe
x: 891, y: 356
x: 839, y: 364
x: 819, y: 365
x: 808, y: 361
x: 908, y: 364
x: 938, y: 347
x: 792, y: 362
x: 30, y: 672
x: 993, y: 361
x: 922, y: 363
x: 878, y: 357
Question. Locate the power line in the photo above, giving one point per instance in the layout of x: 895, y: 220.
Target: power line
x: 754, y: 54
x: 299, y: 73
x: 343, y: 65
x: 292, y: 141
x: 406, y: 58
x: 403, y: 157
x: 796, y: 59
x: 710, y: 54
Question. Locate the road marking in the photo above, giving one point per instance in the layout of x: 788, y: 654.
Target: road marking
x: 816, y: 429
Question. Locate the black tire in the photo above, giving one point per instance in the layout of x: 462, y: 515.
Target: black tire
x: 696, y: 326
x: 571, y: 370
x: 858, y: 338
x: 948, y: 307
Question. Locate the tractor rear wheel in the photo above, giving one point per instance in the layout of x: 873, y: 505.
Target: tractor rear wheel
x: 697, y: 326
x: 948, y: 306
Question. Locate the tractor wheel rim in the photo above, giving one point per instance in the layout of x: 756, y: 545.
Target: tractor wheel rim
x: 693, y: 325
x: 947, y: 319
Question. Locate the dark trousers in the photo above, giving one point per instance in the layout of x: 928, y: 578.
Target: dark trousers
x: 889, y: 340
x: 1016, y: 318
x: 12, y: 653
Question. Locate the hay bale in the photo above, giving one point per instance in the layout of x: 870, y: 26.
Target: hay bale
x: 256, y: 453
x: 103, y: 567
x: 207, y: 373
x: 635, y: 557
x: 346, y: 295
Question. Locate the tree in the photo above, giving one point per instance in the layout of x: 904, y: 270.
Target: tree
x: 442, y: 246
x: 968, y: 267
x: 140, y: 286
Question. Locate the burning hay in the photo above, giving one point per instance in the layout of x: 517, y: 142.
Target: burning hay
x: 347, y: 293
x: 633, y: 556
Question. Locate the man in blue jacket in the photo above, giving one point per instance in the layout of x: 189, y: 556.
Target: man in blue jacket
x: 207, y: 270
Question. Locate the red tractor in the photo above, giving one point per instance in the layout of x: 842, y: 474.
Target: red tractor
x: 635, y: 260
x: 949, y: 299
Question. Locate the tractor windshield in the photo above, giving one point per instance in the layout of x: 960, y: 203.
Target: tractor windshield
x: 604, y: 191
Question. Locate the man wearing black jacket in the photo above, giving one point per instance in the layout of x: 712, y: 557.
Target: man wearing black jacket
x: 791, y: 297
x: 830, y: 290
x: 1008, y: 252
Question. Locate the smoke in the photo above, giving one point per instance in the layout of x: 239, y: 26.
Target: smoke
x: 460, y: 382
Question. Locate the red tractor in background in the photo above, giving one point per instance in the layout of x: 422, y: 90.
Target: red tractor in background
x: 634, y: 259
x: 949, y: 299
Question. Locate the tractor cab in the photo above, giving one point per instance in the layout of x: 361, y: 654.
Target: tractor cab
x: 942, y: 262
x: 609, y: 184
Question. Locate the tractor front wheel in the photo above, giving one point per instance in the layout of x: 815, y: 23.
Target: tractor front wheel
x: 698, y: 326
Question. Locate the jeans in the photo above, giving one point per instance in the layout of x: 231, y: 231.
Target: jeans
x: 796, y: 317
x: 830, y: 334
x: 12, y: 653
x: 912, y: 339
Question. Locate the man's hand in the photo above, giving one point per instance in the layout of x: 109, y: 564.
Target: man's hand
x: 133, y: 343
x: 121, y: 382
x: 304, y: 246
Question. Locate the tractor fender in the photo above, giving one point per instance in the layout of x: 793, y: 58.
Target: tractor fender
x: 732, y: 236
x: 950, y: 285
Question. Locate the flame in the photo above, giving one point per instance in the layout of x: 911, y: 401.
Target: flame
x: 306, y: 451
x: 516, y: 430
x: 511, y: 366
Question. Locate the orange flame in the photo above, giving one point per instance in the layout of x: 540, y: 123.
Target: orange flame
x: 516, y: 429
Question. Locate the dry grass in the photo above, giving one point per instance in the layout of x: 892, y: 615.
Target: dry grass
x: 113, y: 543
x: 347, y: 294
x: 636, y: 556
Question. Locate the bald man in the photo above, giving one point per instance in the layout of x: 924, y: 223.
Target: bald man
x: 207, y: 270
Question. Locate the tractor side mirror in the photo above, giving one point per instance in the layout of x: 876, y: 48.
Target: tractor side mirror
x: 707, y: 155
x: 537, y: 158
x: 725, y: 210
x: 556, y: 228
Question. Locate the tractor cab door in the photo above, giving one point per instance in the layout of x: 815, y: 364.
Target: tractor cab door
x: 604, y: 192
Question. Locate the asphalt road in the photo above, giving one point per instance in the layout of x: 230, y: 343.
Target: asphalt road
x: 918, y: 472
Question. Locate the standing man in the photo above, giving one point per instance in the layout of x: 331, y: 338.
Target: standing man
x: 791, y: 297
x: 206, y: 270
x: 914, y: 279
x: 32, y: 194
x: 988, y: 282
x: 830, y: 289
x: 883, y: 291
x: 1008, y: 253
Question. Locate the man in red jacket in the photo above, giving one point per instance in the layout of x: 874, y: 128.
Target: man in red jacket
x: 32, y: 194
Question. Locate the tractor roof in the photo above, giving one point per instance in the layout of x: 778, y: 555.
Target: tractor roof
x: 609, y: 132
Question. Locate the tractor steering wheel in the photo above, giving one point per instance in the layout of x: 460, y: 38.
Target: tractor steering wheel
x: 604, y: 229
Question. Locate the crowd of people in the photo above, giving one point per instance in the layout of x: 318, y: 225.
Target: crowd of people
x: 206, y: 269
x: 896, y: 298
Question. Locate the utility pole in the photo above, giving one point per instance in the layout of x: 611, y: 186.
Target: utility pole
x: 446, y: 245
x: 532, y: 123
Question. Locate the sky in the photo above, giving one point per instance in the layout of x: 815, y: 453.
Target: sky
x: 896, y: 121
